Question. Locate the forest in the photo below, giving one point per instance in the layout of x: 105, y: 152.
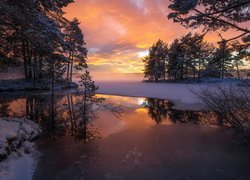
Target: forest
x: 190, y: 57
x: 36, y: 36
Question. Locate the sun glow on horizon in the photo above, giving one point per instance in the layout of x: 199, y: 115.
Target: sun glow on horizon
x: 142, y: 54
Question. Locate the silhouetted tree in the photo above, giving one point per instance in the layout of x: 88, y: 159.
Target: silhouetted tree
x: 231, y: 104
x: 30, y: 31
x: 86, y: 104
x: 176, y: 60
x: 240, y: 53
x: 222, y: 58
x: 77, y: 52
x: 155, y: 62
x: 212, y: 15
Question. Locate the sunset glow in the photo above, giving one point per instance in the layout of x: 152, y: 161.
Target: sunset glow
x: 119, y: 33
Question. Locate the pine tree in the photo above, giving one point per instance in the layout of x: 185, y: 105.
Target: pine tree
x: 176, y: 60
x: 240, y: 53
x: 86, y: 112
x: 212, y: 15
x: 53, y: 71
x: 76, y: 49
x: 30, y: 31
x: 222, y: 58
x: 155, y: 62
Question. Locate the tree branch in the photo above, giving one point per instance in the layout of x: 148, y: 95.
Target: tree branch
x: 223, y: 21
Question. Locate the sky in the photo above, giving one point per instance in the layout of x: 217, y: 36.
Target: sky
x: 119, y: 33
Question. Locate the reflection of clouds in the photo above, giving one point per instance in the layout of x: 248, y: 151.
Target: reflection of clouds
x: 141, y: 110
x: 123, y: 100
x: 108, y: 124
x: 141, y: 101
x: 133, y: 117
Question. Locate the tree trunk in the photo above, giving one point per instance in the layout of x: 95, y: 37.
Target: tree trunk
x: 40, y: 67
x: 71, y: 68
x: 52, y: 102
x: 199, y: 71
x: 164, y: 78
x: 70, y: 115
x: 237, y: 68
x: 223, y: 69
x: 85, y: 115
x: 35, y: 69
x: 24, y: 59
x: 181, y: 72
x: 29, y: 62
x: 68, y: 67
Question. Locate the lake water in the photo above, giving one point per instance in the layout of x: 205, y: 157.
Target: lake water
x: 133, y: 112
x: 128, y: 138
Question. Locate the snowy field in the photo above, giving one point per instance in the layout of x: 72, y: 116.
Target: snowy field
x: 19, y: 155
x: 181, y: 94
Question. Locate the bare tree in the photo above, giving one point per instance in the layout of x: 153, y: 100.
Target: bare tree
x: 231, y: 103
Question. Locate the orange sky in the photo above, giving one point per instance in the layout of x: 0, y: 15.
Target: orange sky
x: 119, y: 32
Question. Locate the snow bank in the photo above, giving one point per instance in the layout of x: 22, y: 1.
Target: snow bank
x: 18, y: 155
x: 181, y: 94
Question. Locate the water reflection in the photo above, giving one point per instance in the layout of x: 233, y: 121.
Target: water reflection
x: 4, y: 109
x: 97, y: 118
x: 160, y: 110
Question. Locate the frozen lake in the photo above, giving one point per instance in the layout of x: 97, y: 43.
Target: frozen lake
x: 149, y: 139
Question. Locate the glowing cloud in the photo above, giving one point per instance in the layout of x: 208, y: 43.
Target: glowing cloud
x: 118, y: 33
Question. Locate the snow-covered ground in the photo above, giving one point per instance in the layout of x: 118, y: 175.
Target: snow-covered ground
x: 18, y: 156
x: 181, y: 94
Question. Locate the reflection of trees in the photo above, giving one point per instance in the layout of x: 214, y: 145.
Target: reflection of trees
x: 88, y: 105
x: 159, y: 109
x: 81, y: 111
x: 184, y: 116
x: 73, y: 114
x: 38, y: 109
x: 5, y: 109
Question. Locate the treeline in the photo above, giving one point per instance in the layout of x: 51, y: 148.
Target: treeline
x: 190, y: 57
x: 36, y: 35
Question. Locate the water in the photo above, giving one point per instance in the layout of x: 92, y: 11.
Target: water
x: 134, y: 113
x: 128, y: 138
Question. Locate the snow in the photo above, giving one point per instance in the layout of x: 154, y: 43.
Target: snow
x: 21, y: 154
x: 181, y: 94
x: 20, y: 165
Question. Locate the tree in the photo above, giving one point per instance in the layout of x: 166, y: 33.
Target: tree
x: 231, y: 105
x: 241, y: 53
x: 30, y: 31
x: 86, y: 111
x: 176, y: 60
x: 195, y: 53
x: 212, y: 15
x: 77, y: 52
x: 54, y: 69
x: 155, y: 62
x: 222, y: 58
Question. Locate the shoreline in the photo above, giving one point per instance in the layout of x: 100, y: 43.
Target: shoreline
x: 21, y: 85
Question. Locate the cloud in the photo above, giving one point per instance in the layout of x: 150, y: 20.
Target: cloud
x: 116, y: 32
